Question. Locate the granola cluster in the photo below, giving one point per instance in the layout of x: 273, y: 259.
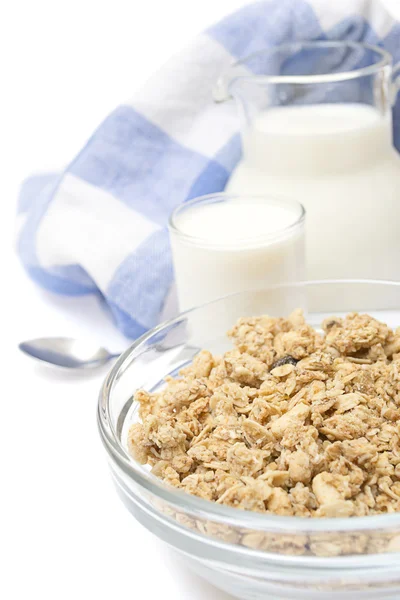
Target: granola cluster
x: 291, y: 421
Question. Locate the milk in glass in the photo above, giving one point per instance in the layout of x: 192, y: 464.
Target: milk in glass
x: 223, y: 244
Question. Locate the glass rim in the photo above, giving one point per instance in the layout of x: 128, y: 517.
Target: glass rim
x: 244, y: 243
x: 385, y: 60
x: 205, y: 508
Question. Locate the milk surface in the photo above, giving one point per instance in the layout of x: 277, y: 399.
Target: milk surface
x: 236, y: 224
x: 226, y: 247
x: 317, y: 139
x: 338, y: 161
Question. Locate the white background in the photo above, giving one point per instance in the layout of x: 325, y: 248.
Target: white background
x: 63, y: 531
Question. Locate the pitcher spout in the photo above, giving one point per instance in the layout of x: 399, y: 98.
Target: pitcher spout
x: 223, y: 88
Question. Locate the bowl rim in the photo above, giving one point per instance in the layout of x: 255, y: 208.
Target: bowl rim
x: 199, y: 507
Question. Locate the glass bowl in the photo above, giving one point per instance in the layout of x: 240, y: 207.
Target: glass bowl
x: 249, y: 555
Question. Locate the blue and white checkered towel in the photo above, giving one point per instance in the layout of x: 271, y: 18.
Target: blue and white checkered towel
x: 100, y: 227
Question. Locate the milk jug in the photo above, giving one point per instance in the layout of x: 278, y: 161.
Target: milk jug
x: 316, y: 123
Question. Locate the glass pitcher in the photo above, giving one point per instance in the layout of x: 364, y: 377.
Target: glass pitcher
x: 316, y: 122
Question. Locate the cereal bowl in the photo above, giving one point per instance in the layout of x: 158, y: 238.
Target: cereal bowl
x: 248, y: 554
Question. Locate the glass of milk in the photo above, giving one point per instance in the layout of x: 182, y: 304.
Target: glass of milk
x: 225, y: 243
x: 316, y: 124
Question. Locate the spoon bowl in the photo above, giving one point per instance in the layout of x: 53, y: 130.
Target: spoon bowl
x: 67, y: 353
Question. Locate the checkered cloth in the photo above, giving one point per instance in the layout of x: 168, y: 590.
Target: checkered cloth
x: 100, y: 226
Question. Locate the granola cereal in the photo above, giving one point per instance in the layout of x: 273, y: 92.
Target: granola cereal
x: 291, y: 421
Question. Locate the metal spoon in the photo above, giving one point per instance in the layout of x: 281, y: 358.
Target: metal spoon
x: 67, y: 353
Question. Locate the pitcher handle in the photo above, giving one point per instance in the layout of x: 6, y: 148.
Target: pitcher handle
x: 395, y: 82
